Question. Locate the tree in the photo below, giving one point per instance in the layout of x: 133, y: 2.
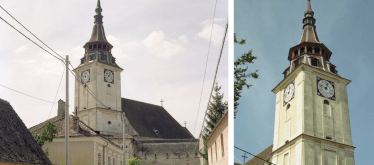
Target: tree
x: 133, y: 161
x: 240, y: 74
x: 216, y: 109
x: 46, y: 135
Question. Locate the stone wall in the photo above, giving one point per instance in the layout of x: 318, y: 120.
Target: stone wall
x: 168, y: 151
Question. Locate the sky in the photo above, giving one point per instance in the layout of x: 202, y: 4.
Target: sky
x: 270, y: 29
x: 161, y: 45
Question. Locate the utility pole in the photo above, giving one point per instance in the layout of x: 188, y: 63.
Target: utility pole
x: 67, y: 113
x: 124, y: 137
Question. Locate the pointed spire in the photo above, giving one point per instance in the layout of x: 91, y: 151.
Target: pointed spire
x: 309, y: 29
x: 98, y: 34
x: 309, y: 12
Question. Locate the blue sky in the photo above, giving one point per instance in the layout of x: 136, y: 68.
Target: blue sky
x: 271, y: 28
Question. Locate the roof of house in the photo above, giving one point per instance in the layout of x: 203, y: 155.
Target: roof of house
x: 153, y: 121
x: 17, y: 145
x: 265, y: 154
x: 84, y: 130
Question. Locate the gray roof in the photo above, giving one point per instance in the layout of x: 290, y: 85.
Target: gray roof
x: 17, y: 145
x: 148, y: 118
x: 265, y: 154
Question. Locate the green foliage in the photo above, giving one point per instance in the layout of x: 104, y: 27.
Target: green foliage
x: 46, y: 151
x: 133, y: 161
x: 216, y: 109
x: 205, y: 154
x: 240, y: 74
x: 47, y: 134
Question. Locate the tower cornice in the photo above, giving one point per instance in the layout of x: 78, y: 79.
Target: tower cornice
x: 310, y: 69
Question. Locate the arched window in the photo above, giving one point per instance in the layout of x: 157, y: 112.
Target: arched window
x: 288, y: 106
x: 134, y: 155
x: 302, y: 50
x: 288, y: 114
x: 326, y: 102
x: 104, y: 47
x: 90, y: 47
x: 309, y: 49
x: 316, y: 50
x: 99, y: 46
x: 195, y: 154
x: 94, y: 46
x: 167, y: 155
x: 296, y: 53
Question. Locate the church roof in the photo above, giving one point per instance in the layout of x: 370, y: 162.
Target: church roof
x: 153, y: 121
x: 83, y: 131
x: 265, y: 154
x: 98, y: 33
x: 17, y: 145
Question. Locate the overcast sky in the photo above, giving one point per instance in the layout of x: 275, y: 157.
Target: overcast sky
x: 161, y: 45
x: 271, y: 29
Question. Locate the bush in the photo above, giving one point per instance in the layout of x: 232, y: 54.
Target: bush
x: 133, y: 161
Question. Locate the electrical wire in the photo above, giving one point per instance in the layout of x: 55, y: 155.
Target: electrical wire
x: 88, y: 89
x: 253, y: 156
x: 57, y: 91
x: 27, y: 94
x: 206, y: 64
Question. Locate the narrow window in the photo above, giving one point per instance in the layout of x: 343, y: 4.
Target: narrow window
x: 188, y: 155
x: 99, y: 46
x: 309, y: 49
x: 222, y: 146
x: 108, y: 160
x: 145, y: 156
x: 195, y: 154
x: 302, y: 50
x: 323, y: 51
x: 211, y: 154
x: 104, y: 47
x: 99, y: 159
x: 179, y: 155
x: 94, y: 46
x: 90, y: 47
x: 286, y: 160
x: 288, y: 115
x: 134, y: 155
x: 121, y: 162
x: 215, y: 147
x: 325, y: 102
x: 155, y: 156
x: 316, y: 50
x: 167, y: 155
x: 114, y: 161
x: 296, y: 53
x: 314, y: 62
x: 108, y: 85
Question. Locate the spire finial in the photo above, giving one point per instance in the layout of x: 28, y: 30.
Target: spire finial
x: 98, y: 10
x: 309, y: 12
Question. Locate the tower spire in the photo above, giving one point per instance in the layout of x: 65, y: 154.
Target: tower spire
x: 309, y: 32
x: 98, y: 33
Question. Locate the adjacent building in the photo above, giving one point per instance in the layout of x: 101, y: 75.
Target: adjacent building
x: 17, y: 145
x: 217, y: 143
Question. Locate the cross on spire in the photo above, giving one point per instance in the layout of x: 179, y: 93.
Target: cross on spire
x: 185, y: 123
x: 244, y: 157
x: 162, y: 102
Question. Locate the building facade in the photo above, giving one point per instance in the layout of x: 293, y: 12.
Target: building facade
x: 217, y: 143
x: 312, y: 124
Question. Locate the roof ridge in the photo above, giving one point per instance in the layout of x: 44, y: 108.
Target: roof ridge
x: 142, y: 102
x: 4, y: 101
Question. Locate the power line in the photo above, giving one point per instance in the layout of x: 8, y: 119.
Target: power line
x: 30, y: 32
x: 31, y: 40
x: 27, y: 94
x: 215, y: 77
x: 88, y: 89
x: 253, y: 156
x: 206, y: 64
x: 57, y: 91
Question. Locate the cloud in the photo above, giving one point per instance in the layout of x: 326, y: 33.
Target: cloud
x: 118, y: 49
x: 21, y: 49
x: 217, y: 33
x: 156, y: 44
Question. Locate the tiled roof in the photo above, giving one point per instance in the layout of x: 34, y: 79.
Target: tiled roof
x: 265, y: 154
x: 84, y: 130
x: 147, y: 119
x: 17, y: 145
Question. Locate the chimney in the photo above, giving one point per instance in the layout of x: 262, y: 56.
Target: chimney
x: 61, y: 109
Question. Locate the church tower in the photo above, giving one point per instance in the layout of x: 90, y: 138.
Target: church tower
x: 98, y: 90
x: 312, y: 125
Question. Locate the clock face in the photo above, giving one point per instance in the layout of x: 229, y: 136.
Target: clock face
x: 108, y: 76
x: 325, y: 88
x: 86, y: 76
x: 289, y: 93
